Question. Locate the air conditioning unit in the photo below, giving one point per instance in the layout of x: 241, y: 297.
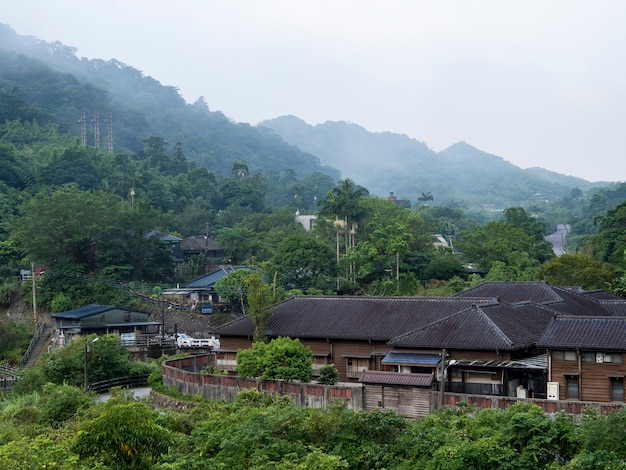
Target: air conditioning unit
x: 553, y: 390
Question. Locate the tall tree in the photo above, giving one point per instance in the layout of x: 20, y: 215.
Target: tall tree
x: 344, y: 202
x: 303, y: 261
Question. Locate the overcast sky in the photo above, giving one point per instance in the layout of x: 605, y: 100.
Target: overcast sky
x: 536, y: 82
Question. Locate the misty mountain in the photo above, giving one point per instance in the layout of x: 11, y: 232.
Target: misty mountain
x: 61, y: 85
x: 460, y: 175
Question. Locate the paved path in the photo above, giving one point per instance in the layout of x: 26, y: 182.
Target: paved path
x: 558, y: 239
x: 143, y: 392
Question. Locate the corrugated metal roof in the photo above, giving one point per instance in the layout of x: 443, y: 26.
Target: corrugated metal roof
x: 535, y: 362
x: 396, y: 378
x: 568, y: 332
x: 86, y: 311
x: 411, y: 358
x: 209, y: 280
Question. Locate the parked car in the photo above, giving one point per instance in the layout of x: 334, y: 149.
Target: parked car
x: 185, y: 341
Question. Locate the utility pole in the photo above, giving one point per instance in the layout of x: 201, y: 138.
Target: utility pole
x: 442, y: 387
x: 86, y: 377
x: 34, y: 283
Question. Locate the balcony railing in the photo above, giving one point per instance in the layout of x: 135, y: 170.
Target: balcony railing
x: 475, y: 388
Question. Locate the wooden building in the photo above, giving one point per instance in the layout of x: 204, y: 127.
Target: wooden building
x: 103, y: 319
x: 586, y: 358
x: 499, y: 338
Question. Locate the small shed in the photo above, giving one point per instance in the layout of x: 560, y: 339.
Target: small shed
x: 103, y: 319
x: 406, y: 394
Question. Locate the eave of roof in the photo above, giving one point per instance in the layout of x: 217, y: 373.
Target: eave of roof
x: 394, y: 357
x: 86, y: 311
x: 396, y: 378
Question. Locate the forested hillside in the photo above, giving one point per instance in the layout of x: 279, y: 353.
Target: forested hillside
x: 459, y: 176
x: 55, y: 81
x: 93, y: 215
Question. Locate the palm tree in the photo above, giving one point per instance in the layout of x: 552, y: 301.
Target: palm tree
x: 424, y: 198
x: 343, y: 202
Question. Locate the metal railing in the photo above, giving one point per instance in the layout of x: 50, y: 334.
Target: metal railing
x: 7, y: 383
x: 7, y: 370
x: 39, y: 330
x: 131, y: 381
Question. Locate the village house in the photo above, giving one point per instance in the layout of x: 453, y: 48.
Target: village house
x: 503, y: 339
x: 199, y: 294
x: 101, y: 320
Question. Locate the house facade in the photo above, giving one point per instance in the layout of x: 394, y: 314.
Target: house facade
x: 586, y: 358
x: 199, y: 294
x: 101, y: 320
x: 492, y: 340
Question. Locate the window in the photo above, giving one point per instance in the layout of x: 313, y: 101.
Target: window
x: 356, y: 365
x: 602, y: 357
x: 318, y: 363
x: 564, y: 355
x: 569, y: 355
x: 572, y: 387
x: 617, y: 389
x: 226, y: 361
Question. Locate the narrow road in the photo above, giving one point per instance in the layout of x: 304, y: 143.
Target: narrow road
x: 142, y: 392
x: 558, y: 239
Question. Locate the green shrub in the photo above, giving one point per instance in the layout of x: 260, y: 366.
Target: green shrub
x: 329, y: 375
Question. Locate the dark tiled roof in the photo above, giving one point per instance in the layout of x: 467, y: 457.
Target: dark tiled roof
x: 199, y: 243
x: 347, y: 317
x: 577, y: 304
x: 614, y: 307
x: 512, y: 292
x: 568, y: 300
x: 603, y: 333
x: 483, y: 327
x: 396, y: 378
x: 600, y: 294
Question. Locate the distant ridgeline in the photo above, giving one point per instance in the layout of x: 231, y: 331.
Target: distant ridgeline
x: 134, y: 108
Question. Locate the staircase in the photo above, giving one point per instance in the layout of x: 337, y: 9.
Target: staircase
x: 37, y: 345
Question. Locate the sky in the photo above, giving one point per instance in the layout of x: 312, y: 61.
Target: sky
x: 538, y: 83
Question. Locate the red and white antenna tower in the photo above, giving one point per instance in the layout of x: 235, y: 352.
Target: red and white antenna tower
x: 96, y: 129
x: 110, y: 132
x: 83, y: 129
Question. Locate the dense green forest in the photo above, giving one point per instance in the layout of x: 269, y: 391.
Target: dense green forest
x: 62, y: 428
x: 50, y: 423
